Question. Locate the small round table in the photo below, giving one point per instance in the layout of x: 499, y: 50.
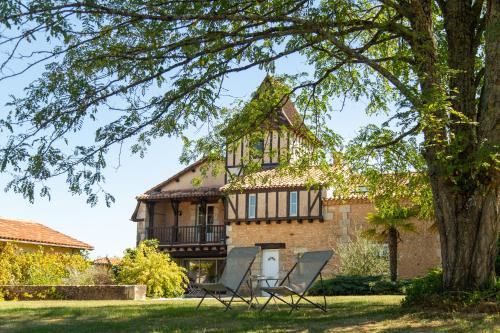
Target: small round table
x: 260, y: 279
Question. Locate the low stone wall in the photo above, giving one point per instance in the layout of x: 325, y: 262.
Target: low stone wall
x: 103, y: 292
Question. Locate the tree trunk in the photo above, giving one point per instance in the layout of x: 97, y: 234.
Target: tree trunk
x: 463, y: 175
x: 468, y: 227
x: 393, y: 252
x: 467, y: 208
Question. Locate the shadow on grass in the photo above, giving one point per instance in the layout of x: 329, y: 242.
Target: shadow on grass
x: 347, y: 315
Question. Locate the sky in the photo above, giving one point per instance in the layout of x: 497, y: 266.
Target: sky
x: 110, y: 230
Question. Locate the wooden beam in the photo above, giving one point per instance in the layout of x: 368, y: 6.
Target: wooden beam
x: 150, y: 206
x: 320, y: 212
x: 298, y: 203
x: 232, y: 205
x: 234, y: 156
x: 241, y: 152
x: 270, y: 152
x: 314, y: 201
x: 270, y: 219
x: 256, y: 205
x: 287, y: 203
x: 269, y: 246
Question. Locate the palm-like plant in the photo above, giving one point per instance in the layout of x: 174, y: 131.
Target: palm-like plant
x: 387, y: 227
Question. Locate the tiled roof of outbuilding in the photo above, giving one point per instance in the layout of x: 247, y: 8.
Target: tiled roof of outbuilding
x: 36, y: 233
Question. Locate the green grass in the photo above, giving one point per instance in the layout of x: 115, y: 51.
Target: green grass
x: 346, y: 314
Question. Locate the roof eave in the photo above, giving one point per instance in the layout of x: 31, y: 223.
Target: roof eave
x: 6, y: 239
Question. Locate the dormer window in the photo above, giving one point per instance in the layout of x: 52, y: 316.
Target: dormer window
x: 293, y: 210
x: 252, y: 205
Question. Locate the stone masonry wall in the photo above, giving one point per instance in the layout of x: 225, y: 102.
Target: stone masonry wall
x: 417, y: 251
x: 105, y: 292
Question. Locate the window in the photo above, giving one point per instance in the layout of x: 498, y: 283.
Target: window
x: 252, y: 203
x: 259, y: 146
x: 257, y: 150
x: 210, y: 215
x: 205, y: 215
x: 293, y: 204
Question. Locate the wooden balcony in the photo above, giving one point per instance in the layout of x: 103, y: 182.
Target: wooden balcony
x: 192, y: 235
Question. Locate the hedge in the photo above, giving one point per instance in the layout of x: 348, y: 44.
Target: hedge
x: 358, y: 285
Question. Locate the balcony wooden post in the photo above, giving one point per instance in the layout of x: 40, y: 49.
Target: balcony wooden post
x: 175, y: 208
x: 151, y: 216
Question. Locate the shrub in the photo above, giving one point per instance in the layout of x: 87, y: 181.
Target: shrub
x: 428, y: 291
x: 39, y: 267
x: 422, y: 290
x: 145, y: 265
x: 358, y: 285
x: 9, y: 262
x: 91, y: 276
x: 362, y: 257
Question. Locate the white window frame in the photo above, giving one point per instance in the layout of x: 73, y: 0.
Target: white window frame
x: 293, y: 203
x: 252, y: 209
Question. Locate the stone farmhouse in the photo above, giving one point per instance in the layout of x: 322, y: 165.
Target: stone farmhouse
x: 279, y: 212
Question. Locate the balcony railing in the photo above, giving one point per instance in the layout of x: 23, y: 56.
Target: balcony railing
x: 200, y: 234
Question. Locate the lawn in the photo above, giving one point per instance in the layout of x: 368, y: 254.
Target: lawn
x: 346, y: 314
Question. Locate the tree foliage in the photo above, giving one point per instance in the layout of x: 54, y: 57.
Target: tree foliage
x: 166, y: 62
x: 380, y: 224
x: 145, y: 265
x: 143, y: 69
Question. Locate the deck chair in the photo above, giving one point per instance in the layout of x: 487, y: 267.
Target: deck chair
x: 299, y: 279
x: 238, y: 264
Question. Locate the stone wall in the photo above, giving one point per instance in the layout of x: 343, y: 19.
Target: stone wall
x: 298, y: 238
x: 417, y: 251
x: 104, y: 292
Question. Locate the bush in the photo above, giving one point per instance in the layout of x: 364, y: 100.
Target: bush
x: 359, y: 256
x: 358, y: 285
x: 428, y: 292
x: 423, y: 289
x: 145, y: 265
x: 91, y: 276
x: 38, y: 267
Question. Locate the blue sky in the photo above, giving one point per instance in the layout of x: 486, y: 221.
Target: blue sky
x: 109, y: 230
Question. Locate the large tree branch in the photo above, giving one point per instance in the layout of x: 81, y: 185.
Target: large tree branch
x: 405, y: 90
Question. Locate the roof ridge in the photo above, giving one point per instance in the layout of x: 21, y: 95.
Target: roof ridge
x: 178, y: 174
x: 15, y: 219
x: 40, y: 233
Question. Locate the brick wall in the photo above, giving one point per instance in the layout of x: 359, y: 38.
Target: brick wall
x: 417, y: 251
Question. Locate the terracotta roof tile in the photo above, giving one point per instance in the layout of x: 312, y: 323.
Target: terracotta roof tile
x: 184, y: 193
x: 32, y: 232
x: 107, y: 261
x: 274, y: 179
